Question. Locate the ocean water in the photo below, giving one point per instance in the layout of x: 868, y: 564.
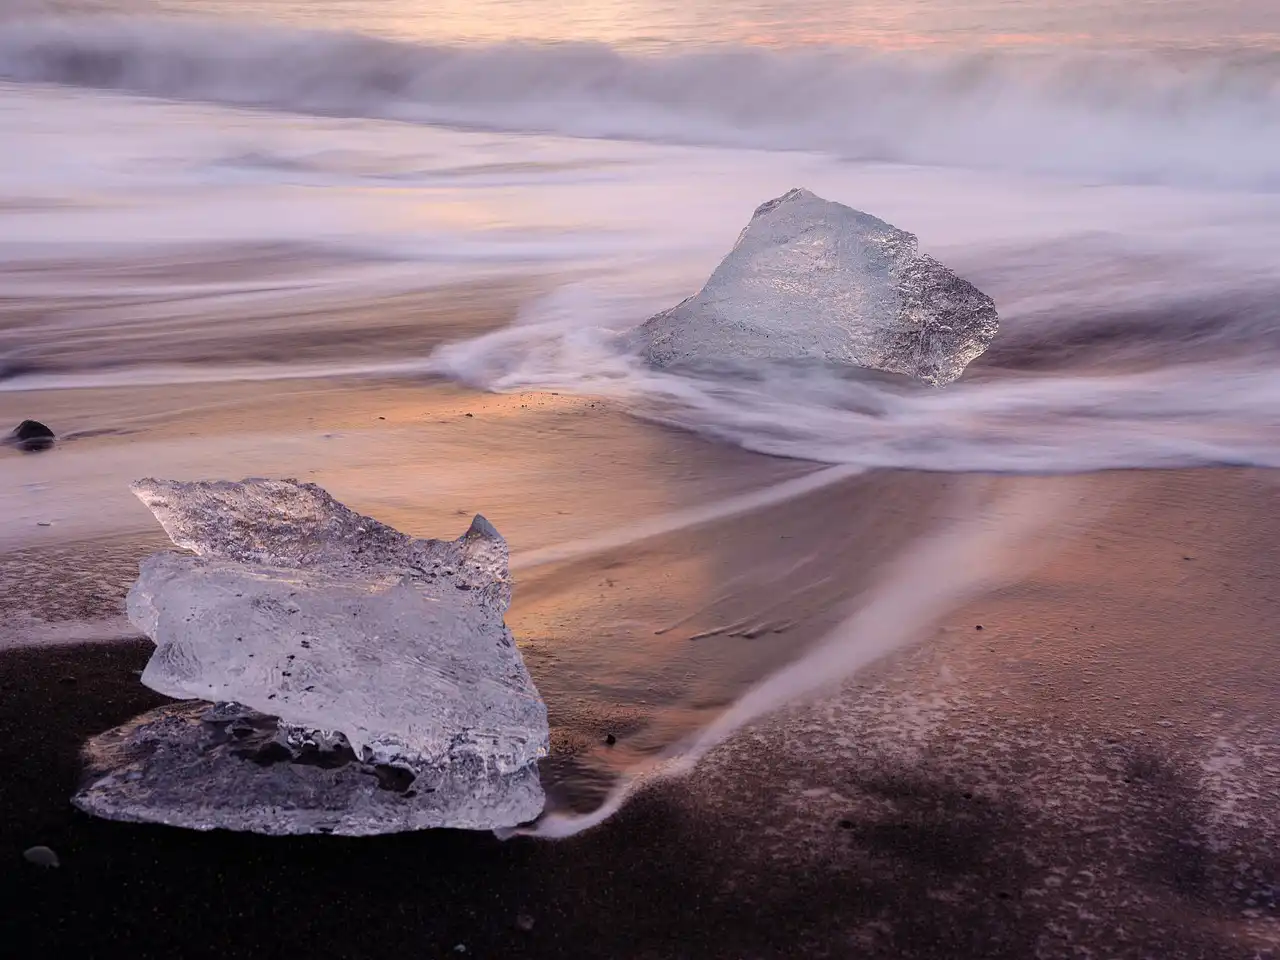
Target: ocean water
x: 1108, y: 171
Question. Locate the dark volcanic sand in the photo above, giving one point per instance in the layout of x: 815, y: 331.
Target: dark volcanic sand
x: 670, y: 877
x: 1093, y: 774
x: 1049, y: 786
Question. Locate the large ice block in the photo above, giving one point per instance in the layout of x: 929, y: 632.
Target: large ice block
x: 207, y: 766
x: 335, y: 637
x: 812, y: 280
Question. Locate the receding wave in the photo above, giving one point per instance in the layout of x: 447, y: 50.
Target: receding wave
x: 1207, y: 119
x: 1179, y: 412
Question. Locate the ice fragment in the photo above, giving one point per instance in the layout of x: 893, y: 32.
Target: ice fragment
x: 812, y: 280
x: 321, y: 635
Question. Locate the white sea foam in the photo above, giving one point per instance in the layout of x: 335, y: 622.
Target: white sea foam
x: 1180, y: 414
x: 1109, y: 116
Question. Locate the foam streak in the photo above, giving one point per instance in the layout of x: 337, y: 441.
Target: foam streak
x: 935, y: 576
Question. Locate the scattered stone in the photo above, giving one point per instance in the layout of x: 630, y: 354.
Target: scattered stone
x: 978, y: 627
x: 41, y: 857
x: 524, y: 922
x: 611, y: 739
x: 814, y: 281
x: 469, y: 414
x: 32, y: 436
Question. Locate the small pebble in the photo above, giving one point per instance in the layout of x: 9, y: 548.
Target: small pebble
x: 31, y: 436
x: 524, y: 922
x: 41, y: 857
x: 470, y: 414
x: 44, y: 523
x: 978, y: 627
x: 611, y: 739
x: 460, y: 947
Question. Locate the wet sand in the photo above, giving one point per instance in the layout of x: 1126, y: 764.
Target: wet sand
x: 647, y: 640
x: 1092, y: 773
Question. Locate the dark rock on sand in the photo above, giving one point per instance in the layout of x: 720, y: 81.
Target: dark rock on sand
x: 41, y: 856
x: 32, y: 435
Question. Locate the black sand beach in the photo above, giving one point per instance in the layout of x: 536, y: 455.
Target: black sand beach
x: 986, y: 671
x: 1093, y: 772
x: 665, y: 879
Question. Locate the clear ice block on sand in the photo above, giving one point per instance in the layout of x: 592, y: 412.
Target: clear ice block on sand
x: 812, y: 280
x: 347, y: 678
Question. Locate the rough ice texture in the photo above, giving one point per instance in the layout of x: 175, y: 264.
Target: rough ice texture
x: 329, y: 628
x: 813, y: 280
x: 203, y: 766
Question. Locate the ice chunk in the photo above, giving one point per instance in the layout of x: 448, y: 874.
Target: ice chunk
x: 813, y: 280
x: 325, y: 627
x: 206, y: 767
x: 283, y: 523
x: 409, y: 665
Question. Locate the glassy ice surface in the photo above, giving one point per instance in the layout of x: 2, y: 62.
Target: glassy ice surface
x: 813, y: 280
x: 203, y: 766
x: 349, y: 653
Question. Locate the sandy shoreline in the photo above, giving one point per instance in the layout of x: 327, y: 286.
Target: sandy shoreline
x: 984, y: 672
x: 1094, y: 769
x: 607, y: 636
x: 1086, y: 771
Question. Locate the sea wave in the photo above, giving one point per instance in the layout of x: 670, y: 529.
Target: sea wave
x: 1209, y: 119
x: 1182, y: 405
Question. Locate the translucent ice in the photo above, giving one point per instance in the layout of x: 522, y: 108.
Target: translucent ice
x: 813, y: 280
x: 204, y: 766
x: 336, y: 637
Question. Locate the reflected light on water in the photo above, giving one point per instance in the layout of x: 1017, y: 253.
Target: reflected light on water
x: 890, y: 24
